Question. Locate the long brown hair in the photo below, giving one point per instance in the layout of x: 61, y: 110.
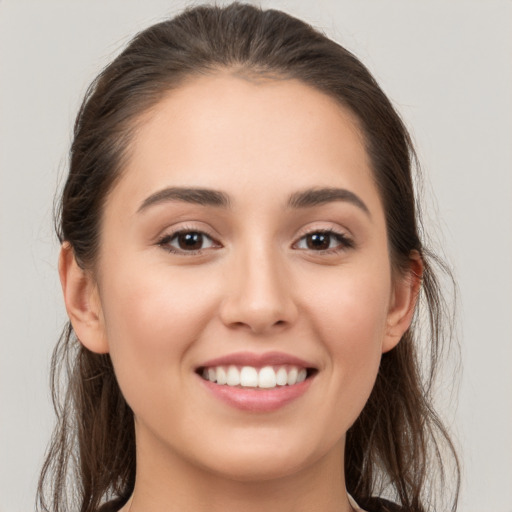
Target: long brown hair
x: 398, y: 443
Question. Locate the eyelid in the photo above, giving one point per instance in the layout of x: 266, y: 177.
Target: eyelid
x: 169, y: 234
x: 346, y: 238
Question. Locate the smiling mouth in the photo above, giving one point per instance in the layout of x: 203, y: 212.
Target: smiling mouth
x: 266, y: 377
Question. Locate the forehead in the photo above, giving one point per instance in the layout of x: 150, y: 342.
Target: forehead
x: 225, y: 131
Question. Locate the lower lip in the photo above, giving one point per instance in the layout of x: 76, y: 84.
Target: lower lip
x: 257, y: 400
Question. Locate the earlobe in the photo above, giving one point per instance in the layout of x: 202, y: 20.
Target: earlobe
x: 82, y: 301
x: 403, y: 302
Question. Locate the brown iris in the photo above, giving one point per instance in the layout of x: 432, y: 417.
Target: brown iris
x: 318, y: 241
x: 190, y: 240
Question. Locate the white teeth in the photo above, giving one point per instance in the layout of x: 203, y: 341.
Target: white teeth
x: 282, y: 377
x: 292, y: 376
x: 249, y: 377
x: 267, y: 377
x: 221, y: 376
x: 233, y: 376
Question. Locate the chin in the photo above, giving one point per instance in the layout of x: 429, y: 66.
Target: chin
x: 258, y: 468
x: 257, y: 462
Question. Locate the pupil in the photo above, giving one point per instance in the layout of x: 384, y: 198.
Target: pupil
x: 190, y: 240
x: 318, y: 241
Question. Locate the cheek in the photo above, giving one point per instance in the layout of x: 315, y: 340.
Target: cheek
x: 351, y: 319
x: 351, y: 307
x: 152, y: 318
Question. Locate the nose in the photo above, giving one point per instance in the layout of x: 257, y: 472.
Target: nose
x: 259, y: 296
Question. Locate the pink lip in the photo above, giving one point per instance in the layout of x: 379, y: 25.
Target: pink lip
x: 257, y: 360
x: 257, y: 400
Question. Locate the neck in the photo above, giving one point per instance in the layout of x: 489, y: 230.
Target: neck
x: 172, y: 484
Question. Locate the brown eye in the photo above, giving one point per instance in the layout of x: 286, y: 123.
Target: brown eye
x: 191, y: 241
x: 187, y: 241
x: 318, y: 241
x: 324, y: 241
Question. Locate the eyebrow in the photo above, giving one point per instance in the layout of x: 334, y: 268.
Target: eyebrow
x: 209, y: 197
x: 319, y: 196
x: 201, y: 196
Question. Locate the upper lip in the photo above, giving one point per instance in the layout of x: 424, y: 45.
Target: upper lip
x: 257, y: 360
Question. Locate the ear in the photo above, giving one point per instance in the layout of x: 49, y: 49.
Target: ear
x: 82, y: 302
x: 406, y: 289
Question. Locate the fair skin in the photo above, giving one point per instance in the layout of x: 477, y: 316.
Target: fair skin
x: 269, y: 269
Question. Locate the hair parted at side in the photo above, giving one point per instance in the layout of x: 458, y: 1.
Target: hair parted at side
x: 398, y: 443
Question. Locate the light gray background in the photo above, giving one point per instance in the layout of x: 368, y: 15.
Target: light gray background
x: 447, y: 65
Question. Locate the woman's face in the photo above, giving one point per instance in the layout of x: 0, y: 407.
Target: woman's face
x: 246, y: 233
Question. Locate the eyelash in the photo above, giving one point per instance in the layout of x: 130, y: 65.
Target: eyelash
x: 344, y: 242
x: 165, y: 241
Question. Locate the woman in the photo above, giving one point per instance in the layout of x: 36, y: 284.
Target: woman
x: 241, y: 264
